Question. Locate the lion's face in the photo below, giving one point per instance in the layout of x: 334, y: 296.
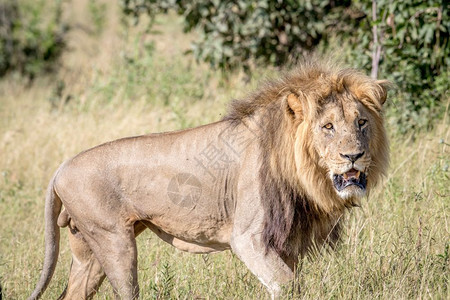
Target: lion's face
x: 341, y: 134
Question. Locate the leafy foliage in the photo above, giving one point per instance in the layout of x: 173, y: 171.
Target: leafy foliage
x: 412, y: 36
x: 31, y: 36
x: 236, y: 33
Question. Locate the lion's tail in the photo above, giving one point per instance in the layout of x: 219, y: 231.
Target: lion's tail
x: 52, y: 209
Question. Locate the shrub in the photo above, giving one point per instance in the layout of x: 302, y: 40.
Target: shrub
x: 238, y: 33
x: 411, y: 38
x: 31, y: 36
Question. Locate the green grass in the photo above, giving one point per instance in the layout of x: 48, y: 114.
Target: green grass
x: 396, y: 246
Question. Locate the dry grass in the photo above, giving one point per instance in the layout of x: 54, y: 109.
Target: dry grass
x: 395, y: 246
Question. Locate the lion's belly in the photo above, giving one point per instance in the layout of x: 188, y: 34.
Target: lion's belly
x: 193, y: 214
x: 188, y: 215
x: 173, y: 190
x: 193, y: 238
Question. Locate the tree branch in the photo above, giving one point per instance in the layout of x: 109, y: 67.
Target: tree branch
x: 376, y: 52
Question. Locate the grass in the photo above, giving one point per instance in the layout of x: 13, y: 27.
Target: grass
x: 396, y: 246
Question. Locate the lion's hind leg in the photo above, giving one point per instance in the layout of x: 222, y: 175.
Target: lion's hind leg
x: 117, y: 253
x: 86, y: 273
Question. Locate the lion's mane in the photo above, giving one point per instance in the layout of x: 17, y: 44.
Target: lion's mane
x: 301, y: 207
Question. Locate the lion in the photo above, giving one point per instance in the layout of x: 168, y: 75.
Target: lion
x: 270, y: 182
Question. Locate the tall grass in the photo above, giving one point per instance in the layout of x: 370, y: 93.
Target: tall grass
x: 396, y: 246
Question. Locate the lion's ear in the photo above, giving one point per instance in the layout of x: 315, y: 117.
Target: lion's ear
x: 385, y: 85
x: 295, y: 106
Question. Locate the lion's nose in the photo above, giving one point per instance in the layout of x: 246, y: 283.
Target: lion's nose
x: 352, y: 157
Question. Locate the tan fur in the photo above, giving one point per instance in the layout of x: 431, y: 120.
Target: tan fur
x: 272, y: 199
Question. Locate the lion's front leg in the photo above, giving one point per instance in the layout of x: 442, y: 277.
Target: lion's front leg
x: 269, y: 267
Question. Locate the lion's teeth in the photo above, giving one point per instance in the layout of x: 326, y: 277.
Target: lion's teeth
x: 357, y: 174
x: 345, y: 176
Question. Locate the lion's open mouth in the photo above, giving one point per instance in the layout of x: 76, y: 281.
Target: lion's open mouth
x: 351, y: 177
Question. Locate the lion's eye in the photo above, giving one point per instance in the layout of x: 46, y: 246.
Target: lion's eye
x: 362, y: 122
x: 328, y: 126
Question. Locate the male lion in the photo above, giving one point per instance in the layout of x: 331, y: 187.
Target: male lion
x: 270, y: 181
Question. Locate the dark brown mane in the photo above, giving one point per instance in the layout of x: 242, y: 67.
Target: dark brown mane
x: 290, y: 217
x: 295, y: 221
x: 292, y: 220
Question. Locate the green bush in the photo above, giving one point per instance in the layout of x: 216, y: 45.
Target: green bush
x: 414, y: 39
x: 31, y: 36
x: 412, y: 36
x: 238, y: 33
